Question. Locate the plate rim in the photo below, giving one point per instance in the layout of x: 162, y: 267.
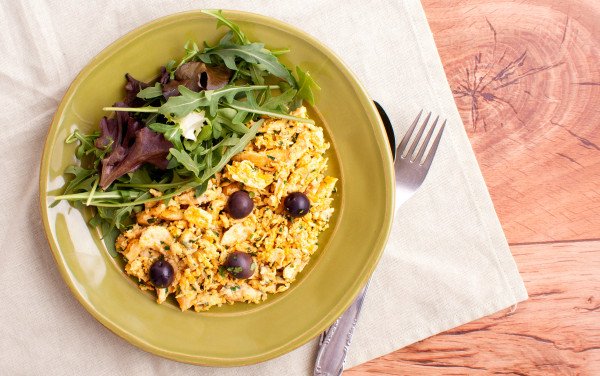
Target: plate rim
x: 360, y: 281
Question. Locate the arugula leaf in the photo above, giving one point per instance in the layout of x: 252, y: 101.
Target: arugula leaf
x: 240, y: 118
x: 306, y: 85
x: 86, y: 144
x: 82, y: 180
x: 172, y: 132
x: 139, y: 176
x: 241, y: 145
x: 183, y: 104
x: 229, y: 93
x: 280, y: 102
x: 205, y: 132
x: 254, y: 108
x: 280, y: 51
x: 109, y: 235
x: 122, y: 216
x: 185, y: 159
x: 191, y: 49
x: 189, y: 100
x: 226, y: 116
x: 171, y: 66
x: 199, y: 190
x: 253, y: 53
x: 222, y: 21
x: 257, y: 75
x: 227, y: 141
x: 151, y: 92
x: 217, y: 130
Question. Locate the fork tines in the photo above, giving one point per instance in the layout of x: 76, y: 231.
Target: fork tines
x: 419, y: 155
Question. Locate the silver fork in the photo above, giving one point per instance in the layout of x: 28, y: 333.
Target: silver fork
x: 410, y: 166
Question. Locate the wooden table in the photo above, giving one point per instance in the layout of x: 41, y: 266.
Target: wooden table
x: 526, y: 79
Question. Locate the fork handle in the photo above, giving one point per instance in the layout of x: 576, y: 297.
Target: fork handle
x: 334, y: 342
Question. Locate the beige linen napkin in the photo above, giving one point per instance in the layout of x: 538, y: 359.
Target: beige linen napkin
x: 446, y: 263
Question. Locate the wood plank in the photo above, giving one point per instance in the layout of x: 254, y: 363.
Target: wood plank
x: 526, y: 80
x: 555, y: 332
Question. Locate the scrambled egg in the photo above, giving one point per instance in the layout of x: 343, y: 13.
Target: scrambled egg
x: 195, y: 234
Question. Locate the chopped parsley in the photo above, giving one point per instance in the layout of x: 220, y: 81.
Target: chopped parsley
x: 271, y: 157
x: 234, y: 269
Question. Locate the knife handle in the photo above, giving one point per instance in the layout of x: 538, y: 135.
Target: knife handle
x: 334, y: 342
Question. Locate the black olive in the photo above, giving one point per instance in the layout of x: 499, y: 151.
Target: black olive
x: 161, y: 274
x: 296, y: 204
x: 240, y: 204
x: 240, y: 265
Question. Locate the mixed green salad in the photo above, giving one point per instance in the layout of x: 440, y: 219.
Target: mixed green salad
x: 174, y: 133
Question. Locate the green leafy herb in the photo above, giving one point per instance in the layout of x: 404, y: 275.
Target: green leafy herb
x: 253, y: 53
x: 218, y: 14
x: 281, y: 102
x: 151, y: 92
x: 172, y: 132
x: 306, y: 85
x: 234, y: 269
x: 237, y: 148
x: 189, y: 100
x: 185, y: 159
x: 254, y: 108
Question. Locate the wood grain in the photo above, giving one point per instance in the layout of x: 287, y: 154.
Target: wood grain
x: 526, y: 79
x: 555, y: 332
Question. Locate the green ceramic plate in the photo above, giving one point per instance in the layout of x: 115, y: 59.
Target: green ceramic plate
x: 242, y: 333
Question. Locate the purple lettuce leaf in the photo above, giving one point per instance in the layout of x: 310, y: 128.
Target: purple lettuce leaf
x: 132, y: 88
x: 196, y: 76
x: 147, y: 147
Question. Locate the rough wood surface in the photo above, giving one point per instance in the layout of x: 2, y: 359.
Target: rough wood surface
x: 526, y: 79
x: 555, y: 332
